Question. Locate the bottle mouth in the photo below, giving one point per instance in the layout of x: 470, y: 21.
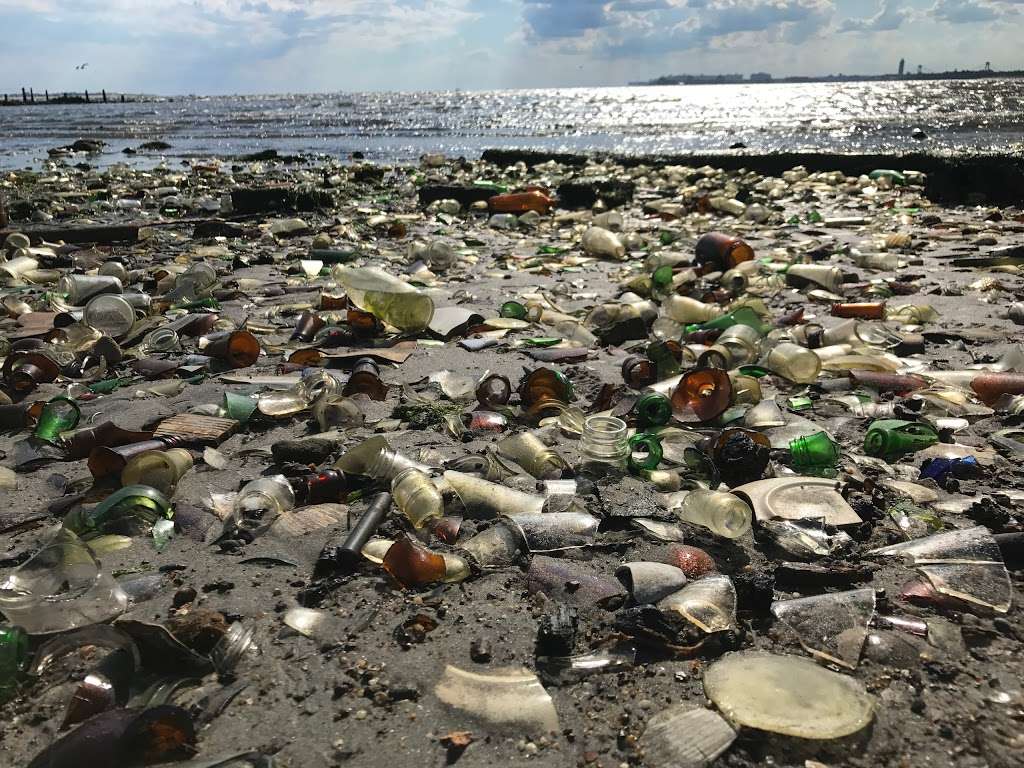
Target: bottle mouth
x: 874, y: 444
x: 607, y: 427
x: 604, y: 439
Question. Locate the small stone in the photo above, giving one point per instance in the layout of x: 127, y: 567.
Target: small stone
x: 480, y: 651
x: 183, y: 597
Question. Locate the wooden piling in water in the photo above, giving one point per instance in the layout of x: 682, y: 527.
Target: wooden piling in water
x: 28, y: 96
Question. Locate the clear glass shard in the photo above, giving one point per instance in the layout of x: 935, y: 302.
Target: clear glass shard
x: 510, y: 699
x: 964, y: 564
x: 709, y: 603
x: 831, y: 626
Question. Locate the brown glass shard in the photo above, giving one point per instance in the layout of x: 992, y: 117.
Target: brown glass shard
x: 412, y: 565
x: 81, y: 443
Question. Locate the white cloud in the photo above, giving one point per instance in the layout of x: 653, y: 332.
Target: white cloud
x: 965, y: 11
x: 650, y: 27
x: 217, y: 46
x: 891, y: 15
x: 368, y: 23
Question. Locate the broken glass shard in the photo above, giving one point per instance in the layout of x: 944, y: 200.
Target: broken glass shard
x: 686, y: 738
x: 788, y: 695
x: 510, y: 699
x: 831, y: 626
x: 709, y: 604
x: 965, y: 564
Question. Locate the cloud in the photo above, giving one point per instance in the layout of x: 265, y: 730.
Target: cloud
x: 374, y: 24
x: 218, y: 46
x: 890, y: 16
x: 547, y: 19
x: 647, y: 27
x: 965, y: 11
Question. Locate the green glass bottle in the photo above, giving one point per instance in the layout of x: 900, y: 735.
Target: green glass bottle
x: 740, y: 316
x: 892, y: 438
x: 59, y: 415
x: 132, y: 510
x: 13, y: 658
x: 814, y: 451
x: 513, y: 310
x: 661, y: 281
x: 652, y: 410
x: 645, y: 453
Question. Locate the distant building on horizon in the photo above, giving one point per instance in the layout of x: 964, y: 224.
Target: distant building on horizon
x: 904, y: 73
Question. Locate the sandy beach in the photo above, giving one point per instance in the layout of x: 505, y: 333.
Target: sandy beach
x: 366, y: 684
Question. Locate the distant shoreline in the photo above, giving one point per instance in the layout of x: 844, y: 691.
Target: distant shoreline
x: 72, y: 99
x: 981, y: 74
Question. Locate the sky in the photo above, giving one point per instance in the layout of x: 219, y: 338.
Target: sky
x: 277, y: 46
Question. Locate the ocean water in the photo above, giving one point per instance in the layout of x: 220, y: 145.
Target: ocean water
x: 981, y: 116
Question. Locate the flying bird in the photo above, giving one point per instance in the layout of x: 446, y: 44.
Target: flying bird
x: 82, y: 66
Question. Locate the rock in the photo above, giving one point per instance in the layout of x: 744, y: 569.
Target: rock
x: 283, y: 198
x: 367, y: 173
x: 307, y: 450
x: 92, y: 146
x: 210, y: 229
x: 584, y: 193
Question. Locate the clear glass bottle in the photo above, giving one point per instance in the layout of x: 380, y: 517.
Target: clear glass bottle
x: 684, y: 309
x: 794, y: 363
x: 80, y: 288
x: 261, y: 502
x: 109, y: 314
x: 720, y: 512
x: 602, y: 244
x: 375, y: 458
x: 158, y: 469
x: 529, y: 452
x: 417, y: 497
x: 390, y: 299
x: 604, y: 446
